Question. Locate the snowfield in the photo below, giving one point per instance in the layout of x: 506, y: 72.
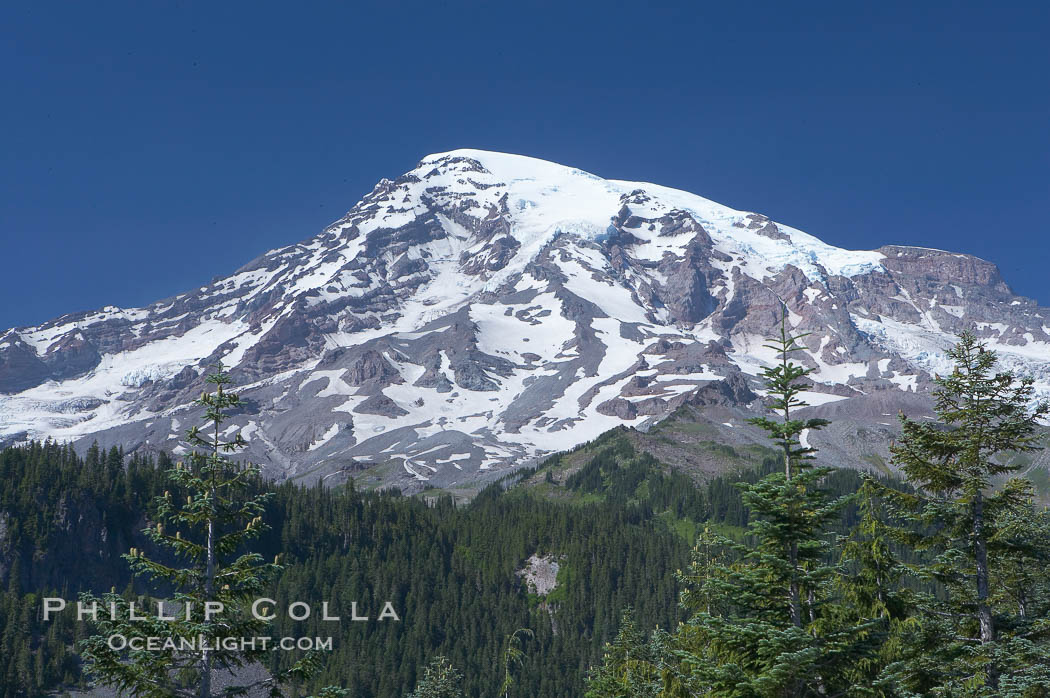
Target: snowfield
x: 485, y: 309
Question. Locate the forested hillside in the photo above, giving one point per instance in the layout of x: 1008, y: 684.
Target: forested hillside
x: 621, y: 527
x: 780, y: 579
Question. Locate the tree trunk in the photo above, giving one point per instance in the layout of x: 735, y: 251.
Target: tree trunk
x: 794, y: 593
x: 209, y: 586
x: 984, y: 611
x: 209, y: 576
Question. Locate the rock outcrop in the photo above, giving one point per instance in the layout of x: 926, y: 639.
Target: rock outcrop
x: 486, y: 309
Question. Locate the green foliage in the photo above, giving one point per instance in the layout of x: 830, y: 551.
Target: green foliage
x: 450, y: 571
x: 513, y: 656
x: 802, y: 581
x: 214, y: 579
x: 763, y: 615
x: 980, y: 630
x: 440, y: 680
x: 782, y: 380
x: 33, y: 654
x: 763, y: 619
x: 630, y: 667
x: 872, y: 586
x: 623, y: 476
x: 64, y: 519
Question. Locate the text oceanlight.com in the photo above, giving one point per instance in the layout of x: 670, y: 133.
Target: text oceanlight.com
x: 230, y: 644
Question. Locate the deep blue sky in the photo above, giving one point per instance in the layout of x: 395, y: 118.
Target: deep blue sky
x: 149, y: 146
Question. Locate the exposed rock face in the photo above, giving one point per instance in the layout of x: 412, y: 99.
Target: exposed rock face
x: 485, y: 309
x: 922, y: 264
x: 686, y: 292
x: 20, y: 366
x: 380, y: 404
x: 71, y: 356
x: 540, y: 574
x: 763, y: 226
x: 371, y: 369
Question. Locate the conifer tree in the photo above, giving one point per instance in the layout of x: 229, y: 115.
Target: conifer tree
x: 1022, y: 564
x: 205, y: 524
x: 630, y: 666
x: 871, y: 587
x: 440, y: 680
x: 974, y: 530
x: 761, y: 623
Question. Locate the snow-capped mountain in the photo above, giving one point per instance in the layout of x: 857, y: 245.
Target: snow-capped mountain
x: 484, y: 309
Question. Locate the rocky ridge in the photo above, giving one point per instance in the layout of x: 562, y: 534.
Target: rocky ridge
x: 485, y: 309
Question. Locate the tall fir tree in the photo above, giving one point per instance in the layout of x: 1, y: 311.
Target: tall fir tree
x: 762, y: 622
x: 206, y: 524
x: 973, y: 526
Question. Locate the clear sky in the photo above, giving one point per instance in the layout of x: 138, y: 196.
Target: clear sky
x: 150, y: 146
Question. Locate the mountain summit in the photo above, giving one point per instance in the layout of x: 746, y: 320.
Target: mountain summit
x: 485, y: 309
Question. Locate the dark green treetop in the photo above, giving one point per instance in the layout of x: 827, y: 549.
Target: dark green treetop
x: 973, y: 522
x: 205, y: 528
x: 762, y: 622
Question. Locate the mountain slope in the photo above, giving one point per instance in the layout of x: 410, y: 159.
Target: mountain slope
x: 484, y: 309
